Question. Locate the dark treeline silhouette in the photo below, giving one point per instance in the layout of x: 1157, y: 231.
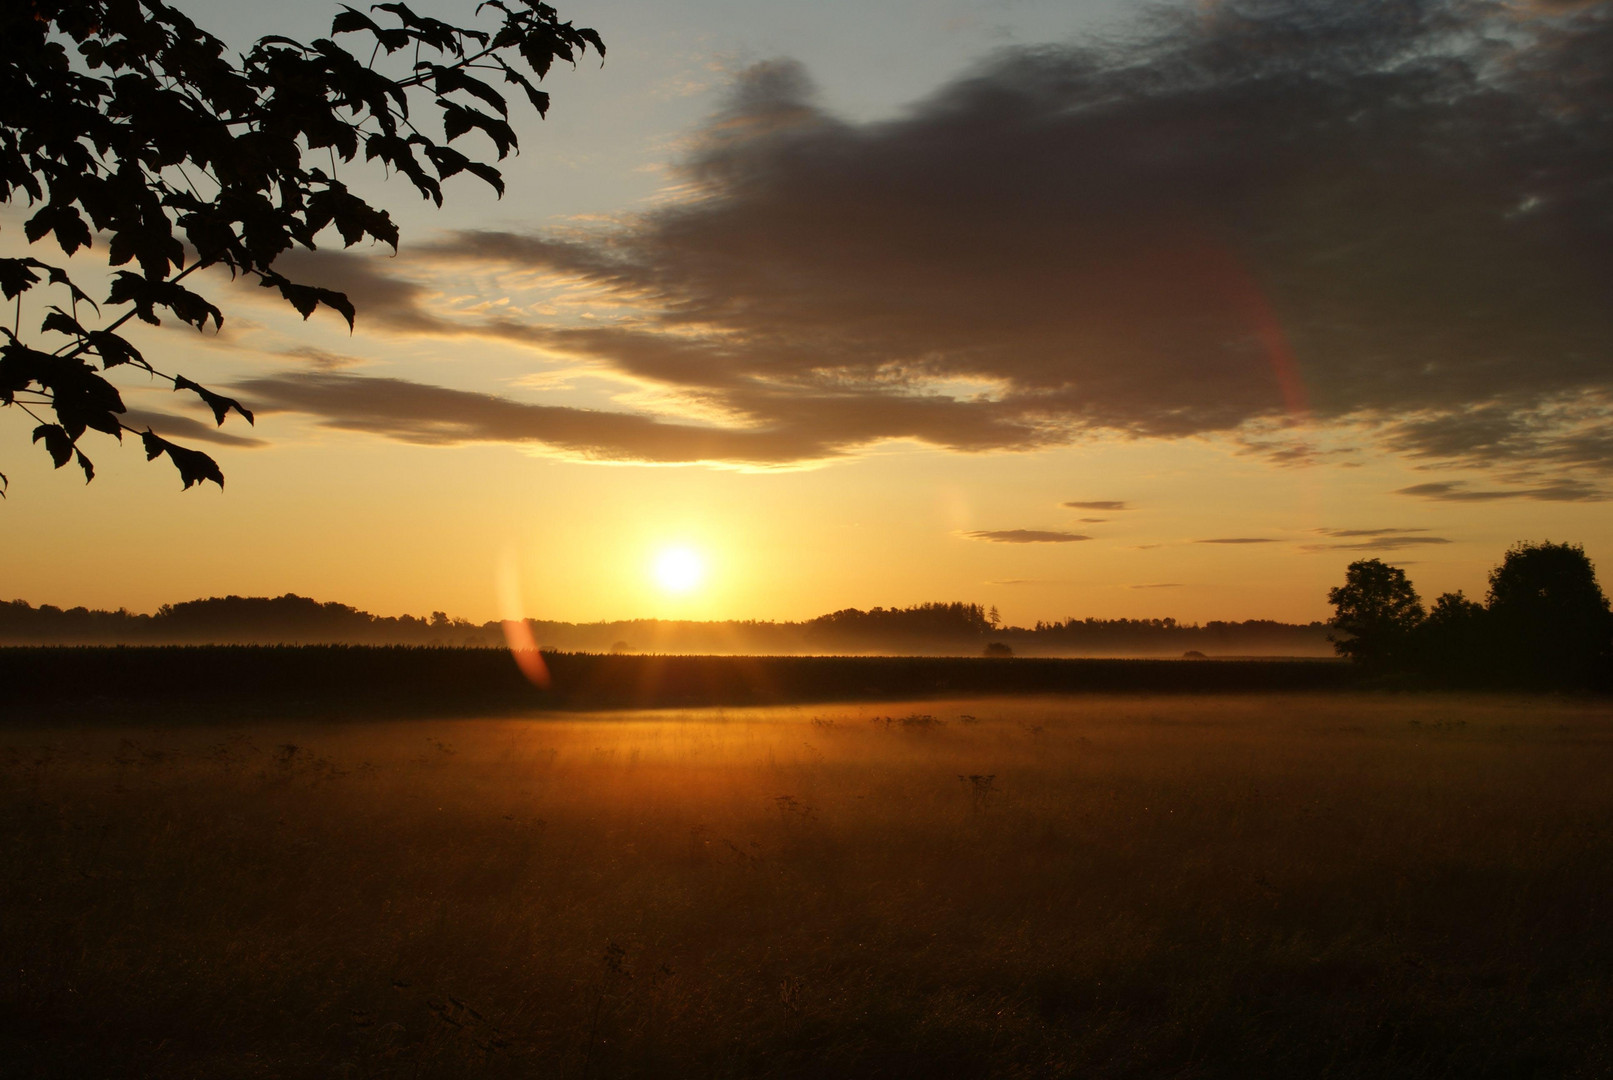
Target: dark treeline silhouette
x: 338, y: 680
x: 1167, y: 636
x: 1544, y: 624
x: 243, y: 620
x: 923, y: 629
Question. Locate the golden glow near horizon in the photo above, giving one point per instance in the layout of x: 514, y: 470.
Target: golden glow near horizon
x: 679, y: 569
x: 503, y: 436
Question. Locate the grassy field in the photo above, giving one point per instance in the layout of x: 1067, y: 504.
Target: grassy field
x: 1098, y: 886
x: 319, y: 680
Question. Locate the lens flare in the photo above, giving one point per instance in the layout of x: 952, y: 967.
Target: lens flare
x: 517, y: 631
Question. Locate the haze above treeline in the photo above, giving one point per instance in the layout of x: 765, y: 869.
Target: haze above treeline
x: 924, y: 629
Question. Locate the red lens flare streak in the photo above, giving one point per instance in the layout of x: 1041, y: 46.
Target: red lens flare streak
x: 517, y: 631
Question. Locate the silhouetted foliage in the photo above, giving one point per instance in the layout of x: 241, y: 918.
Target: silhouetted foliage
x: 1545, y: 624
x: 1379, y: 610
x: 1548, y: 616
x: 182, y: 157
x: 1453, y: 643
x: 954, y: 629
x: 919, y: 621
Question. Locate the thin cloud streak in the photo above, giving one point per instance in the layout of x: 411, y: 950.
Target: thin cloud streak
x: 1025, y: 536
x: 1458, y: 491
x: 1348, y: 533
x: 1382, y: 543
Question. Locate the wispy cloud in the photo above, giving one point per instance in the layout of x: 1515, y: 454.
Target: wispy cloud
x: 1025, y: 536
x: 1354, y: 533
x: 1238, y: 540
x: 1458, y: 491
x: 1373, y: 540
x: 1387, y: 543
x: 1099, y: 504
x: 322, y: 359
x: 1160, y: 585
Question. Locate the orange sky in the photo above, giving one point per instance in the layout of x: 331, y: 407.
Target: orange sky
x: 879, y: 314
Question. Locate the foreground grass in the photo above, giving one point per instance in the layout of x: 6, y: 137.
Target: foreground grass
x: 1190, y: 886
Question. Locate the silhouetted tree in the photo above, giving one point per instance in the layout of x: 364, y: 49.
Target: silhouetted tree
x: 1454, y: 642
x: 183, y: 157
x: 1379, y: 610
x: 1550, y: 620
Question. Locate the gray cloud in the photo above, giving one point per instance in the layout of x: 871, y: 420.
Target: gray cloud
x: 1099, y: 504
x: 379, y: 294
x: 1352, y: 210
x: 434, y: 415
x: 810, y: 429
x: 1562, y: 434
x: 1350, y: 533
x: 321, y: 359
x: 187, y: 429
x: 1238, y: 540
x: 1379, y: 543
x: 1025, y: 536
x: 777, y: 421
x: 1373, y: 539
x: 1457, y: 491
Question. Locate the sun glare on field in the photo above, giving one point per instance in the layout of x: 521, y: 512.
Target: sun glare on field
x: 679, y: 570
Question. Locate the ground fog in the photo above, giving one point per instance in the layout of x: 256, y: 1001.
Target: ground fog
x: 1342, y: 885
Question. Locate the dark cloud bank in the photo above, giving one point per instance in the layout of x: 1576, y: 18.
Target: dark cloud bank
x: 1398, y: 213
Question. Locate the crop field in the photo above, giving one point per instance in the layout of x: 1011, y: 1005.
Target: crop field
x: 1273, y: 885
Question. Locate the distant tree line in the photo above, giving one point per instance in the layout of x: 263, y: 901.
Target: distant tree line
x: 935, y: 629
x: 1263, y: 635
x: 243, y: 620
x: 1544, y: 624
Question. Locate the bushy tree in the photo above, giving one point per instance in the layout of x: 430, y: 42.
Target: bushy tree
x: 1379, y: 611
x: 1454, y: 642
x: 123, y: 123
x: 1550, y: 621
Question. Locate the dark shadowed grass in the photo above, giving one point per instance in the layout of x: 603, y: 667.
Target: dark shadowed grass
x: 1189, y: 886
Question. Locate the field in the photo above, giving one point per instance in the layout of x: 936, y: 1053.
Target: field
x: 1274, y: 885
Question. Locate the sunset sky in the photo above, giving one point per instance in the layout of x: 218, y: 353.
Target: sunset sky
x: 1066, y: 307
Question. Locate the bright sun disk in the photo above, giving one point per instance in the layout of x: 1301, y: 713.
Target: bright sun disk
x: 679, y: 569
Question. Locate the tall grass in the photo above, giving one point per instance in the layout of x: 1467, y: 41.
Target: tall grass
x: 1188, y: 886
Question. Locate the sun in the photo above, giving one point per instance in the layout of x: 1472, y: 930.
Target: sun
x: 679, y: 569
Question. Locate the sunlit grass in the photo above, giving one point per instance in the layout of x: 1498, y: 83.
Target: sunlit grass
x: 1282, y: 886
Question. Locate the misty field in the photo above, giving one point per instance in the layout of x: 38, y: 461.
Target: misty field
x: 1099, y: 886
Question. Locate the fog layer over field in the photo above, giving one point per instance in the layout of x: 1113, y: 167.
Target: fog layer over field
x: 1348, y: 885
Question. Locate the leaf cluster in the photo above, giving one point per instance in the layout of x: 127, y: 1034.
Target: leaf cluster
x: 122, y: 122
